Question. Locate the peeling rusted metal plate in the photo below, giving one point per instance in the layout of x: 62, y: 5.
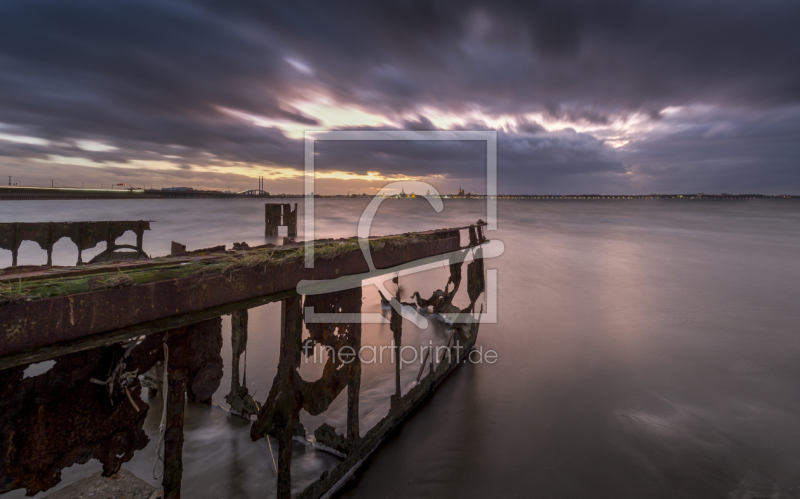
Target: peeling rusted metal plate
x: 59, y: 418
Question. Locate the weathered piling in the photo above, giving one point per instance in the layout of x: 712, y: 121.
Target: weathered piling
x: 272, y: 219
x: 280, y: 215
x: 177, y: 378
x: 290, y: 219
x: 194, y: 371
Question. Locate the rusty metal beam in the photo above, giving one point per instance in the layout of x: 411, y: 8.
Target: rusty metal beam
x: 35, y: 324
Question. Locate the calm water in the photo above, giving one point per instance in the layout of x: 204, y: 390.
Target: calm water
x: 647, y: 348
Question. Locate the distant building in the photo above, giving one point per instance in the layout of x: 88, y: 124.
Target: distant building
x: 177, y: 189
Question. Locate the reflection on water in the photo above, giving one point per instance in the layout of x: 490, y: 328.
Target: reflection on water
x: 646, y: 349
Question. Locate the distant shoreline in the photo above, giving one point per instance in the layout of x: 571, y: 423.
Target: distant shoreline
x: 14, y: 193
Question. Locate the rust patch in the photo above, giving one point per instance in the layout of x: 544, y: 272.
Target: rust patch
x: 59, y: 418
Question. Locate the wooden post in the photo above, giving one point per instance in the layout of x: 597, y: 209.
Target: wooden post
x: 173, y: 438
x: 473, y: 237
x: 192, y: 349
x: 291, y: 333
x: 238, y: 397
x: 285, y: 465
x: 272, y: 219
x: 396, y: 325
x: 354, y: 386
x: 353, y: 389
x: 238, y: 343
x: 290, y: 219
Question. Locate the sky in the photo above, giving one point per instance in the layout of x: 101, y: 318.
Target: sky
x: 608, y: 97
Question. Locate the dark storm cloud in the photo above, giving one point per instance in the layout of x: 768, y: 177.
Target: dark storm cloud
x: 124, y: 61
x: 508, y: 57
x: 153, y: 78
x: 722, y: 150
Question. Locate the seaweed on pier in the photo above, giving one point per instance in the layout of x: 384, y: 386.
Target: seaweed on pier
x: 164, y: 268
x: 117, y: 281
x: 13, y: 293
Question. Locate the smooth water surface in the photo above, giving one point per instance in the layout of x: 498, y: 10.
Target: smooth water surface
x: 647, y: 348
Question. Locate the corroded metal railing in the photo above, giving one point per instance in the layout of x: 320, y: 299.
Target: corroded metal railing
x: 85, y: 235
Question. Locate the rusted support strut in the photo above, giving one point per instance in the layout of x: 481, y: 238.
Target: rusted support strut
x: 173, y: 438
x: 239, y: 398
x: 194, y: 368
